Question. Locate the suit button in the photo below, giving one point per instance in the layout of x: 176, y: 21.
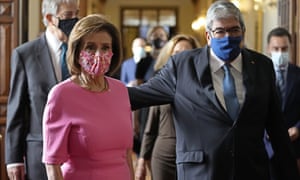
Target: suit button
x: 231, y: 153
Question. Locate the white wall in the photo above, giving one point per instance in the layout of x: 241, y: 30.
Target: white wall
x: 270, y: 22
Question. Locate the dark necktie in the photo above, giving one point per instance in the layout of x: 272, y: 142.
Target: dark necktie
x: 281, y: 82
x: 63, y: 63
x: 230, y: 97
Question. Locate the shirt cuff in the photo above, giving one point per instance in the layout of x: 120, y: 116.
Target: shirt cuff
x: 14, y: 165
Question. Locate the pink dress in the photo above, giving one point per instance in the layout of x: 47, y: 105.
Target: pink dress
x: 88, y: 132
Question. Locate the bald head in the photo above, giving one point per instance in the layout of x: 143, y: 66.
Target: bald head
x: 138, y: 42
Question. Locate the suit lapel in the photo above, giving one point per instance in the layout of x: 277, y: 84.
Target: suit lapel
x: 201, y: 62
x: 249, y: 73
x: 44, y: 59
x: 204, y: 76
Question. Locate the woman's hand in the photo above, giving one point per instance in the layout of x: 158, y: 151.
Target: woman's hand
x: 140, y: 170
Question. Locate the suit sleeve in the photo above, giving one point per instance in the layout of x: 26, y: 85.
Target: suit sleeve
x: 159, y: 90
x: 17, y: 112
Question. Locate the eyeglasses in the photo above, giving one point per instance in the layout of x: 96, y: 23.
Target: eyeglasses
x: 221, y: 32
x: 68, y: 15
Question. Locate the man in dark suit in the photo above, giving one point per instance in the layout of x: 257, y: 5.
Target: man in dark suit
x: 288, y: 85
x: 223, y: 98
x: 35, y: 68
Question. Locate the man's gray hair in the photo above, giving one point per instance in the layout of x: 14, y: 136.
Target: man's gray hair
x: 51, y: 6
x: 223, y: 10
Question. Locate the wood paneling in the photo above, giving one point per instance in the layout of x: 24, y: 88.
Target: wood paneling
x: 8, y: 40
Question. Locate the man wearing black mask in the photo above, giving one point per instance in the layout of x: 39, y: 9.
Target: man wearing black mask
x: 36, y: 66
x: 157, y: 37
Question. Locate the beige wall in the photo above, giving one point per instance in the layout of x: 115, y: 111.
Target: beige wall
x: 185, y: 10
x: 35, y: 18
x: 112, y: 10
x: 270, y: 22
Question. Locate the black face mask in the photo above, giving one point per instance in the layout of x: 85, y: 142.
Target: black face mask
x: 158, y: 43
x: 67, y: 25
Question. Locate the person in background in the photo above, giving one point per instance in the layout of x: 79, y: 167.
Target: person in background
x: 223, y: 98
x: 158, y: 144
x: 279, y: 48
x: 84, y: 137
x: 157, y: 37
x: 128, y: 78
x: 35, y: 69
x: 129, y: 65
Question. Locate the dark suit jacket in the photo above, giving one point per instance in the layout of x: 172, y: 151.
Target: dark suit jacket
x: 32, y: 76
x: 290, y: 105
x: 209, y: 144
x: 291, y: 102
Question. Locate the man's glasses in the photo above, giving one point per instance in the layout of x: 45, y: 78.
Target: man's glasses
x: 221, y: 32
x: 68, y: 15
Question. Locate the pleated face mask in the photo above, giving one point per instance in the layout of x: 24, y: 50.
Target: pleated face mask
x: 95, y: 64
x: 280, y: 58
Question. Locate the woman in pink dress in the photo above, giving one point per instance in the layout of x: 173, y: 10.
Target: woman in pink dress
x: 87, y: 126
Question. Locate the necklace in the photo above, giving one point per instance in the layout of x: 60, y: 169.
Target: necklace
x: 93, y: 87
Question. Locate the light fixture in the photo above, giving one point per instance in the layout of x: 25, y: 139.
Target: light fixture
x: 264, y: 5
x: 198, y: 23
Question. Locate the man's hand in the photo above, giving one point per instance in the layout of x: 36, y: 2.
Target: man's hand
x: 293, y: 133
x: 16, y: 173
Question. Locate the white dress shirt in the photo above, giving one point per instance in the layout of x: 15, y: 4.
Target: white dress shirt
x: 54, y: 47
x: 217, y: 74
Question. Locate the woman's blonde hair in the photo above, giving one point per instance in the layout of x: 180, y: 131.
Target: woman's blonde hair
x: 167, y: 50
x: 92, y: 24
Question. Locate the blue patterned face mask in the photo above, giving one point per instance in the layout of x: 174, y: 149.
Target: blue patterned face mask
x: 226, y: 48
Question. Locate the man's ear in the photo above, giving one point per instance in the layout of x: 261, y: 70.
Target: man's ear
x: 50, y: 19
x: 208, y: 38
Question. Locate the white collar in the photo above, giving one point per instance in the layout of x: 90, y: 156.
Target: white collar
x: 217, y: 63
x: 52, y: 40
